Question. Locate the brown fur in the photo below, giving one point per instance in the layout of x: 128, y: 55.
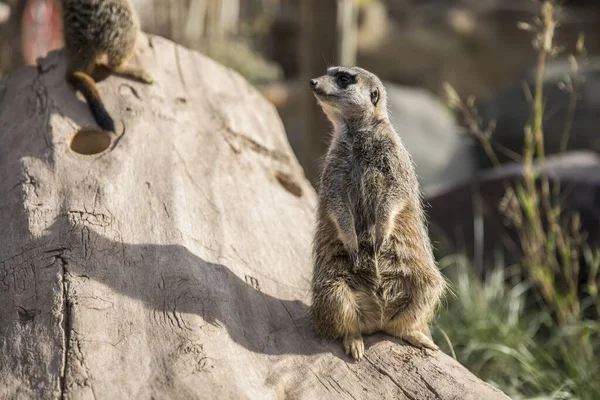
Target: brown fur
x: 92, y: 29
x: 373, y: 264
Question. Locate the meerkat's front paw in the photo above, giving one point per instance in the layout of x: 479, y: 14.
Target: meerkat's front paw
x: 354, y: 346
x: 350, y: 243
x: 351, y: 247
x: 420, y: 340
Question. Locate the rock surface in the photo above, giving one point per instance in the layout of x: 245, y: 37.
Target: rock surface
x: 175, y: 263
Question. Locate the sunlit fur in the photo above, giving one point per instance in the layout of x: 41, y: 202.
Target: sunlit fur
x: 373, y: 263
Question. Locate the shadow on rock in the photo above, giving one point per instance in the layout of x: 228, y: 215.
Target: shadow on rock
x: 174, y: 283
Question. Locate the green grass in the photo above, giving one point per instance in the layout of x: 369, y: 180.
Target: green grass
x: 532, y: 330
x: 498, y: 328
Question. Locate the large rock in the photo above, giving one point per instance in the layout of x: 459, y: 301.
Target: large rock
x: 175, y: 262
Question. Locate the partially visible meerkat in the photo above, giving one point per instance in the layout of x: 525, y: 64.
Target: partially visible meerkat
x: 93, y: 29
x: 374, y: 268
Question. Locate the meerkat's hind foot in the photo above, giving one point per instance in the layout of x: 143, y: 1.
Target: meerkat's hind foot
x: 145, y: 77
x: 419, y: 339
x: 140, y: 75
x: 135, y: 73
x: 354, y: 346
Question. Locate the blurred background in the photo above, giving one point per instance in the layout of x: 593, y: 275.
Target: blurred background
x: 523, y: 260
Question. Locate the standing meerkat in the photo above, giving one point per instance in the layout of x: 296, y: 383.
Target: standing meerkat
x: 96, y: 28
x: 374, y: 268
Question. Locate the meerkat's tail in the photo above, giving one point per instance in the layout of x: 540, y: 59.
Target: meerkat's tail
x: 87, y: 86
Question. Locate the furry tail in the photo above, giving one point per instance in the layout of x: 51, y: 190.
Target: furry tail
x: 86, y: 85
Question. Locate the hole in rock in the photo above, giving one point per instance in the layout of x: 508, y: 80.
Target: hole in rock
x: 288, y: 183
x: 89, y: 141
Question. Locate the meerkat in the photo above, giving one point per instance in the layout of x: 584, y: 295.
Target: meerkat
x: 93, y: 29
x: 374, y: 268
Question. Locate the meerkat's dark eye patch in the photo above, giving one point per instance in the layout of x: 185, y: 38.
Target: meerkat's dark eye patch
x: 374, y: 96
x: 344, y: 79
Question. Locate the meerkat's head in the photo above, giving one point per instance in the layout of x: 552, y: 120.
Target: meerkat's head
x: 350, y: 92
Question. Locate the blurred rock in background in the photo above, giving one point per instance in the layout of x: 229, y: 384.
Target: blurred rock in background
x: 571, y: 118
x: 467, y: 219
x: 442, y: 155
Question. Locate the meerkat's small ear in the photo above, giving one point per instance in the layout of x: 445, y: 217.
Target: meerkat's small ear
x: 374, y: 96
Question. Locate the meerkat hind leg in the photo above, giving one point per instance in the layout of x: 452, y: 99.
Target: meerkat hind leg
x: 419, y: 339
x: 347, y: 320
x: 415, y: 337
x: 354, y: 346
x: 128, y: 71
x: 117, y: 64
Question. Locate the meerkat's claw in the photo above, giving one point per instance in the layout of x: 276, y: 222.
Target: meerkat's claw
x: 139, y: 75
x: 147, y: 78
x: 420, y: 340
x: 354, y: 346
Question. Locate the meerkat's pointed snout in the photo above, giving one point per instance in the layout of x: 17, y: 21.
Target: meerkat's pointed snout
x: 320, y: 88
x: 317, y: 86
